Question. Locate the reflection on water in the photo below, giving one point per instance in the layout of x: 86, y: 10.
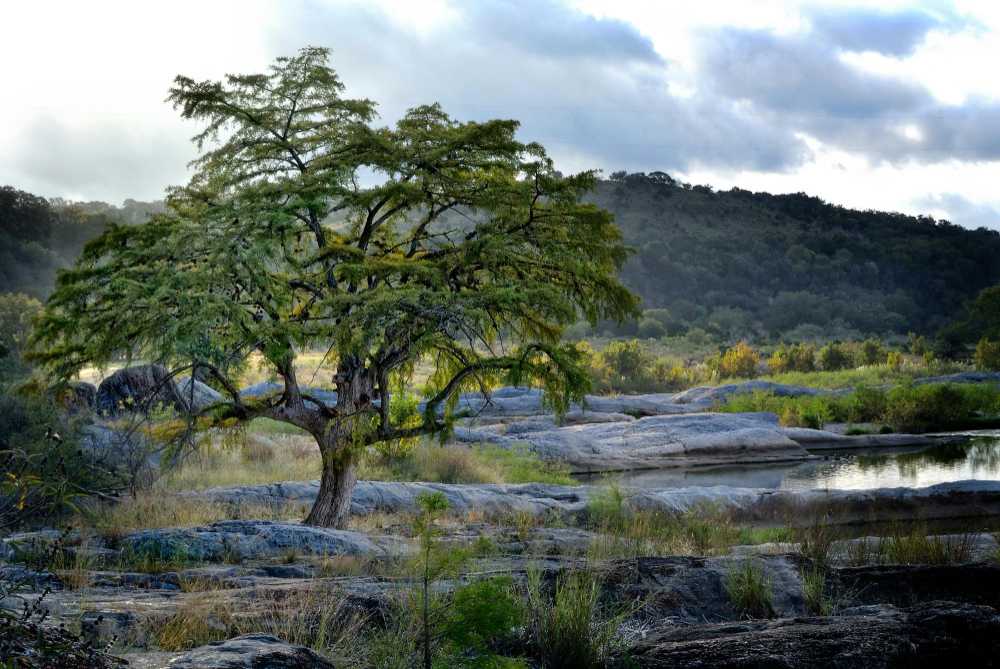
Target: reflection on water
x: 979, y: 458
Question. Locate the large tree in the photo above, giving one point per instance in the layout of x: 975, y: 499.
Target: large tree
x: 306, y: 226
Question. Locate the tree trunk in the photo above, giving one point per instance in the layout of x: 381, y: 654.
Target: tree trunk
x: 333, y: 504
x: 355, y: 389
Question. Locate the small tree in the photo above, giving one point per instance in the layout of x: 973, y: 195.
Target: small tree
x: 834, y: 356
x: 988, y: 355
x: 305, y: 226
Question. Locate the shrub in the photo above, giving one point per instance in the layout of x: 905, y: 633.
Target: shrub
x: 739, y: 361
x: 17, y: 312
x: 651, y: 329
x: 894, y: 360
x: 865, y: 404
x: 920, y: 408
x: 749, y: 590
x: 794, y: 358
x: 988, y: 355
x: 483, y: 613
x: 834, y: 356
x: 45, y: 472
x: 872, y: 352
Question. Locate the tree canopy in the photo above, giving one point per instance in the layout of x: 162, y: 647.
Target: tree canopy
x: 306, y: 225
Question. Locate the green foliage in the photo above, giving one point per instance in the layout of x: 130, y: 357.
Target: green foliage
x: 45, y: 472
x: 814, y: 592
x: 749, y: 589
x: 988, y: 355
x: 17, y: 312
x: 907, y: 407
x: 981, y: 320
x: 740, y: 361
x: 793, y: 358
x: 834, y: 356
x: 483, y: 613
x: 918, y: 408
x: 568, y: 629
x: 794, y: 261
x: 462, y: 241
x: 872, y: 352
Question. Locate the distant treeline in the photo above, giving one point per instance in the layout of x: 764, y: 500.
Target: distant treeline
x: 735, y: 264
x: 39, y: 236
x: 741, y: 264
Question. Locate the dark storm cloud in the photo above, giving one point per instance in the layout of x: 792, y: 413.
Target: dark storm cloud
x: 891, y: 33
x: 589, y: 89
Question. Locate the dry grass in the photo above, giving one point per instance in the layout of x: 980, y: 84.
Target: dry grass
x: 198, y: 621
x: 315, y: 617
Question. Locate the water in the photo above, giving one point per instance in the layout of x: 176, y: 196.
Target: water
x: 978, y: 458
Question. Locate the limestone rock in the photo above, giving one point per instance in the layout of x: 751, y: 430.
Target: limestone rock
x: 250, y: 651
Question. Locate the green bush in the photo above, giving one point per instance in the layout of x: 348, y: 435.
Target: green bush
x: 988, y: 355
x: 45, y: 472
x: 918, y: 408
x: 872, y: 352
x: 794, y: 358
x: 483, y: 614
x: 740, y: 361
x: 865, y: 404
x: 834, y: 356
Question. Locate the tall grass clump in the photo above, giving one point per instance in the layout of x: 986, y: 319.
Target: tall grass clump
x: 570, y: 629
x: 749, y: 589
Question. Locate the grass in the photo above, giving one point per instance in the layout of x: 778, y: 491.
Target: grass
x: 749, y: 589
x: 912, y: 546
x: 814, y: 592
x: 622, y: 532
x: 906, y: 408
x: 570, y: 630
x: 198, y: 621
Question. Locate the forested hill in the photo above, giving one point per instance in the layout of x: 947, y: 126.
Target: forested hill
x: 39, y: 236
x: 734, y: 263
x: 742, y: 263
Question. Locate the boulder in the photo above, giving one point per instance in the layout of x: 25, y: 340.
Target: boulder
x: 961, y: 377
x: 254, y: 539
x: 196, y: 394
x: 657, y: 441
x: 138, y: 389
x: 692, y: 590
x: 267, y: 388
x: 960, y: 499
x: 711, y: 395
x: 932, y: 634
x: 250, y: 651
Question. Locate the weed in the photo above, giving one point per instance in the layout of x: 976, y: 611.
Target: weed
x: 814, y: 592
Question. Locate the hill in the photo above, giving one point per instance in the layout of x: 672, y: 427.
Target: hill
x: 739, y: 263
x: 733, y: 263
x: 39, y: 236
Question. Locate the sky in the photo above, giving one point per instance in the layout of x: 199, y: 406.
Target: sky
x: 873, y: 105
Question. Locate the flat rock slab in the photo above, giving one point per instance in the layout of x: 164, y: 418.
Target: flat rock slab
x: 692, y: 590
x: 256, y: 539
x: 655, y: 442
x: 933, y: 634
x: 961, y: 499
x: 250, y: 651
x: 490, y: 500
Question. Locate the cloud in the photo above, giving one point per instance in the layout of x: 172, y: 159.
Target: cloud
x: 961, y: 211
x: 593, y: 91
x: 801, y: 83
x: 859, y: 29
x: 97, y: 159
